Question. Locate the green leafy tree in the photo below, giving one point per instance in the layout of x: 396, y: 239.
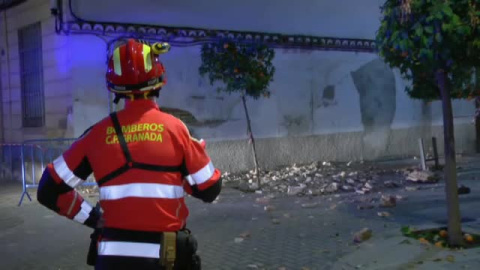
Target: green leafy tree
x: 244, y: 68
x: 436, y: 45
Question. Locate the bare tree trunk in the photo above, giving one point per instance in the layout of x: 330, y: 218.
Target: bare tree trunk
x: 451, y: 188
x: 250, y: 134
x: 477, y: 124
x: 477, y: 111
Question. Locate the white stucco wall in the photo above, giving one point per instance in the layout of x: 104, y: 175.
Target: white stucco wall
x: 300, y: 79
x: 90, y: 96
x: 56, y: 73
x: 323, y: 103
x: 340, y: 18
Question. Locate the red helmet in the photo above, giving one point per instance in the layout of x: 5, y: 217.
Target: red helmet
x: 134, y: 67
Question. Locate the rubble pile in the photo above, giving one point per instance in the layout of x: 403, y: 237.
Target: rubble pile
x: 315, y: 179
x: 321, y: 178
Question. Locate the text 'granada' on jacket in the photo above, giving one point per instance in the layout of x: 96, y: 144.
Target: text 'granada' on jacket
x: 138, y: 198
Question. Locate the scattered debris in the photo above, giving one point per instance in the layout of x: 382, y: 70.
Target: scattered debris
x: 383, y: 214
x: 366, y: 206
x: 253, y: 186
x: 314, y: 179
x: 362, y: 235
x: 333, y: 187
x: 450, y: 258
x: 275, y: 221
x: 262, y: 200
x: 388, y: 201
x: 410, y: 188
x: 245, y: 235
x: 295, y: 190
x: 309, y: 205
x: 424, y: 241
x: 390, y: 184
x: 269, y: 208
x: 423, y: 177
x: 238, y: 240
x: 463, y: 190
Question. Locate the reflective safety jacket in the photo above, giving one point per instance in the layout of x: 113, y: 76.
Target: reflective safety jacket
x: 142, y: 180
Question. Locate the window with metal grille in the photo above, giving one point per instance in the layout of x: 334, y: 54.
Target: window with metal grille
x: 31, y: 72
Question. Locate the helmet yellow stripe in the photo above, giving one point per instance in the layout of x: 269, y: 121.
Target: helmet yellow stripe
x: 117, y: 67
x: 147, y: 58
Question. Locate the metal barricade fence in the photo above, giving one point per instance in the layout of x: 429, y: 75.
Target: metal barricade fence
x: 35, y: 155
x: 10, y: 163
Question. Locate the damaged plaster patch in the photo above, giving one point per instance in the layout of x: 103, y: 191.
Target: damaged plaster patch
x: 375, y: 83
x: 328, y: 97
x: 190, y: 120
x: 296, y: 125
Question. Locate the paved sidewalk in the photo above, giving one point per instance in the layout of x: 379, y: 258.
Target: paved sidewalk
x: 317, y: 237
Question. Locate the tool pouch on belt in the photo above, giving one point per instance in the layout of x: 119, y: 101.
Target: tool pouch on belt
x: 168, y: 250
x: 92, y: 250
x: 94, y: 237
x: 184, y: 247
x: 186, y: 251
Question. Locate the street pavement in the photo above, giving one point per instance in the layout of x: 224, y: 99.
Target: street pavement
x: 237, y: 232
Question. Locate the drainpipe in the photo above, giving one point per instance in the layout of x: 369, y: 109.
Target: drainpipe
x: 2, y: 133
x: 9, y: 80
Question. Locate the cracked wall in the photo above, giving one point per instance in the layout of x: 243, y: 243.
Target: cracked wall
x: 324, y: 95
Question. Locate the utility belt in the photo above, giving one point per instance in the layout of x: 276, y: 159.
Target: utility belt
x: 176, y: 250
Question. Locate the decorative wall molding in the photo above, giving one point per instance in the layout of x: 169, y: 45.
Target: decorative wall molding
x: 191, y: 36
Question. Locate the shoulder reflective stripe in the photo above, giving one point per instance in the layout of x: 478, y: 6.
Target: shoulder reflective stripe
x: 61, y: 168
x: 84, y: 212
x: 190, y: 180
x: 159, y: 191
x: 201, y: 175
x: 130, y: 249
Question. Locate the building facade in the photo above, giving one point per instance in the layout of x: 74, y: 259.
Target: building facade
x: 333, y: 98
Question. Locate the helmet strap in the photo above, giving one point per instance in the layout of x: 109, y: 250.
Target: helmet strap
x: 116, y: 99
x: 146, y: 95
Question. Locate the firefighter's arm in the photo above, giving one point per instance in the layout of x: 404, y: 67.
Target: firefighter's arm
x: 203, y: 180
x: 56, y: 189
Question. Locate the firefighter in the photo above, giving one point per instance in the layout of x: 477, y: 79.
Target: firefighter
x: 144, y: 162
